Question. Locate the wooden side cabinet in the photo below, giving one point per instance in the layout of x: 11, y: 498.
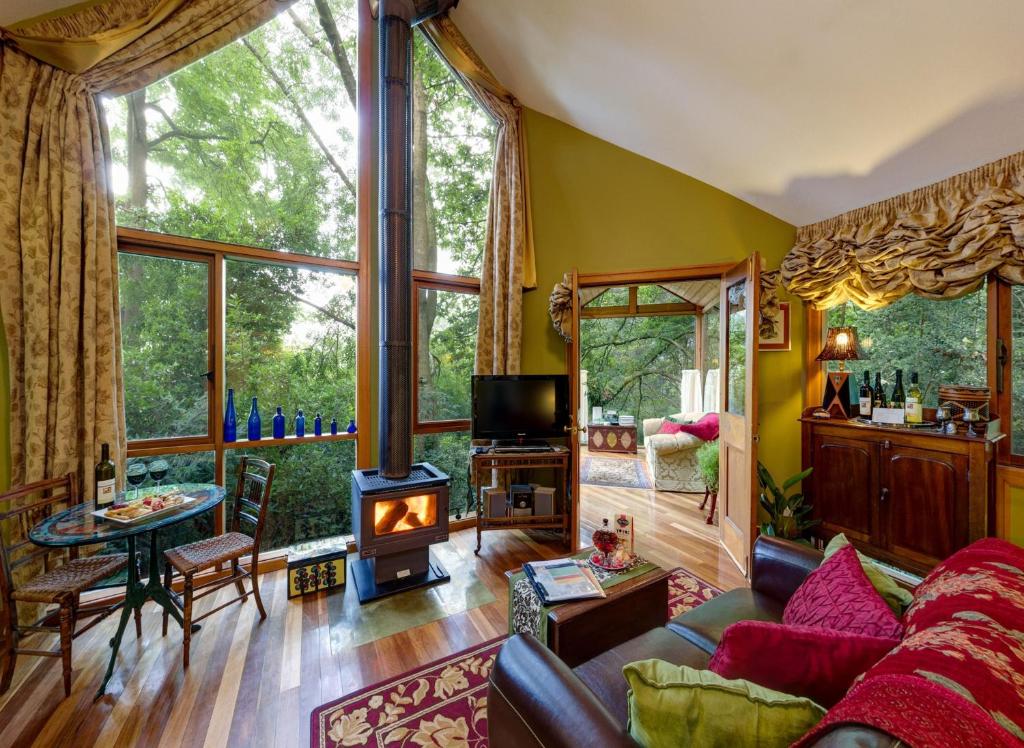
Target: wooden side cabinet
x: 908, y: 497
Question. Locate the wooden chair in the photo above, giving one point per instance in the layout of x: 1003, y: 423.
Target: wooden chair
x: 252, y: 496
x: 59, y: 585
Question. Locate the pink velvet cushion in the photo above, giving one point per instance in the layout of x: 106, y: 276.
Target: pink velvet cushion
x: 837, y: 595
x: 706, y: 428
x: 819, y: 664
x: 670, y: 427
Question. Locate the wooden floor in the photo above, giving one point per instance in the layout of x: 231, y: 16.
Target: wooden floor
x: 254, y: 684
x: 669, y: 527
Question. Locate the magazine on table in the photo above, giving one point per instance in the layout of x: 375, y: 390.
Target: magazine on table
x: 563, y: 579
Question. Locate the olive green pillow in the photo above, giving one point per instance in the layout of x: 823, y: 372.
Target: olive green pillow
x: 673, y: 705
x: 895, y: 596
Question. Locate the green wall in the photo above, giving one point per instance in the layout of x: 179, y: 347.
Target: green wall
x: 599, y: 208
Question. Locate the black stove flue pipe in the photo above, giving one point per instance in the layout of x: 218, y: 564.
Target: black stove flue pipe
x: 394, y: 36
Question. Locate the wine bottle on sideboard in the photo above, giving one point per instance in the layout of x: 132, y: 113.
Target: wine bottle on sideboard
x: 879, y: 392
x: 105, y: 474
x: 867, y: 396
x: 230, y: 419
x: 279, y: 423
x: 300, y: 424
x: 899, y: 397
x: 913, y: 406
x: 255, y: 424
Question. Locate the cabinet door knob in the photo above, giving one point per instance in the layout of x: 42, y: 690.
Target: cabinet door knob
x: 885, y: 493
x: 886, y: 444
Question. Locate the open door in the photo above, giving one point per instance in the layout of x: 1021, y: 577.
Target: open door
x: 572, y: 352
x: 737, y: 498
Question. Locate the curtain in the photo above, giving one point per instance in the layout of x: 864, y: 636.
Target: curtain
x: 58, y: 243
x: 939, y: 242
x: 508, y: 260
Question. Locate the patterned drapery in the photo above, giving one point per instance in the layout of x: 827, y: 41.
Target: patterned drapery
x: 939, y: 242
x: 58, y: 251
x: 508, y: 261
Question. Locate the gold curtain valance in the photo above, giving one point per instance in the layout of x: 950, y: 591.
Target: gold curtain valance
x: 939, y: 242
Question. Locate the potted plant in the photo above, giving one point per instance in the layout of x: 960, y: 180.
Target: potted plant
x: 787, y: 514
x: 707, y: 466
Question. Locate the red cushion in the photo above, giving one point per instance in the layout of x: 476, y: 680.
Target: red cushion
x: 837, y: 595
x: 706, y: 428
x: 817, y: 663
x: 670, y: 427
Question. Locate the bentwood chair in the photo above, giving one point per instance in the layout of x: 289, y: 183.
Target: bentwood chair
x: 252, y: 496
x: 59, y: 584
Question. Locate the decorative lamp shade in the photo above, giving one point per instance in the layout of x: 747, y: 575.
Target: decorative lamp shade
x: 840, y: 345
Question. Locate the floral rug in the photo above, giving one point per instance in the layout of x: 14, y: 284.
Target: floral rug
x: 619, y: 473
x: 444, y: 703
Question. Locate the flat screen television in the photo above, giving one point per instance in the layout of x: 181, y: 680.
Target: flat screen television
x: 520, y: 407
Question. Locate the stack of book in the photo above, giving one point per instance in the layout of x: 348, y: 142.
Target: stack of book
x: 563, y: 579
x: 627, y: 421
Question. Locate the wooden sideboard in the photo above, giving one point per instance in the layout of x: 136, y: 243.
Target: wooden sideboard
x: 909, y: 497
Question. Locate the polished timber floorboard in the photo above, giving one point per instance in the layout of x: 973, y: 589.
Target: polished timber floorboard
x: 253, y: 684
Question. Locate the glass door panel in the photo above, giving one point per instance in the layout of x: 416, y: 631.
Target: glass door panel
x: 736, y: 339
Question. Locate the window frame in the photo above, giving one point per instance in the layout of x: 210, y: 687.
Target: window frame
x: 216, y: 254
x: 429, y: 280
x: 999, y: 330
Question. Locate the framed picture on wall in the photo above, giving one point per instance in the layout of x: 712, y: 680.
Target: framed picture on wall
x: 780, y: 340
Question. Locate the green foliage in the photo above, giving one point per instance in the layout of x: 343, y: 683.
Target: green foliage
x: 707, y: 463
x: 787, y: 514
x: 256, y: 145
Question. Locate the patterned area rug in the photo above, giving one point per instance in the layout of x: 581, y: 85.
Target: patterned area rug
x: 621, y: 473
x: 445, y: 702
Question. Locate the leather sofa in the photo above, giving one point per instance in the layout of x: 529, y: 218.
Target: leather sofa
x: 535, y: 699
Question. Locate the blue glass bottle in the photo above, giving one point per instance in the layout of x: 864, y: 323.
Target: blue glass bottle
x: 255, y: 424
x: 318, y: 425
x: 279, y: 424
x: 334, y: 426
x: 230, y: 419
x: 351, y: 426
x: 300, y: 424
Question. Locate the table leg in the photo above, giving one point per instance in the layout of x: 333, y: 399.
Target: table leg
x: 134, y: 596
x: 154, y: 588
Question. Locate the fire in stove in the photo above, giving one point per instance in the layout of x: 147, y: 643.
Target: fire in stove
x: 402, y: 515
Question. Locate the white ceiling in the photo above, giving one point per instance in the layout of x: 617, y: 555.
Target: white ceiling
x: 805, y: 108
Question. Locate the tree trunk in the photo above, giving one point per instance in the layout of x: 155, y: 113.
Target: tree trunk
x: 138, y: 149
x: 424, y: 237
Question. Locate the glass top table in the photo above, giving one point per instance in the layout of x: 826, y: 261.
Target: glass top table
x: 79, y: 526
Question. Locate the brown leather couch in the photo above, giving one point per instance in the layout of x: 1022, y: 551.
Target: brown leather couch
x: 535, y: 699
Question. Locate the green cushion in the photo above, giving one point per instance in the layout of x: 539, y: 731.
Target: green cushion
x: 895, y: 596
x: 672, y: 706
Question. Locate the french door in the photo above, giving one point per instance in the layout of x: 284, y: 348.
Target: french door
x: 737, y: 496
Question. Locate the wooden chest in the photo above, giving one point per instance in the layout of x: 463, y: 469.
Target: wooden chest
x: 605, y: 437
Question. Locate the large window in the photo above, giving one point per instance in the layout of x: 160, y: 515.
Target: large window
x: 943, y: 341
x: 235, y: 182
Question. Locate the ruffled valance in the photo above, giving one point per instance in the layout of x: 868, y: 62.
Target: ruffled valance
x: 940, y: 242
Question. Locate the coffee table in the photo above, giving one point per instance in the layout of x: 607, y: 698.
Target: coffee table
x: 580, y: 630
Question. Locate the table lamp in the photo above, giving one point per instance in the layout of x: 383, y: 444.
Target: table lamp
x: 841, y: 346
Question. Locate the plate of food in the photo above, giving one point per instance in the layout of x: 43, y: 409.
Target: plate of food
x: 619, y: 560
x: 131, y: 512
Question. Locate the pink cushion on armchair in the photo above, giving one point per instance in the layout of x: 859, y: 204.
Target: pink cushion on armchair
x: 838, y: 595
x: 670, y: 427
x: 705, y: 429
x: 819, y: 664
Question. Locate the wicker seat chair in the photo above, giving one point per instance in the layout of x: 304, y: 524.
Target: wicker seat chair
x: 252, y: 496
x: 59, y: 584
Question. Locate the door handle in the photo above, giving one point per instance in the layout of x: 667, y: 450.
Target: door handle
x: 885, y: 494
x: 574, y: 429
x: 1002, y: 356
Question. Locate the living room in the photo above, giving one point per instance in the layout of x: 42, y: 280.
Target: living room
x: 299, y: 304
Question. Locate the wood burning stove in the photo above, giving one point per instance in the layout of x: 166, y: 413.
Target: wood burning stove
x: 395, y: 522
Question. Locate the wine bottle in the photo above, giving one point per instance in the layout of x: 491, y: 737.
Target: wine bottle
x: 913, y: 406
x: 318, y: 425
x: 879, y: 392
x: 300, y: 424
x: 105, y: 473
x: 899, y: 397
x: 255, y: 424
x: 867, y: 396
x: 334, y: 426
x: 230, y: 419
x: 279, y: 423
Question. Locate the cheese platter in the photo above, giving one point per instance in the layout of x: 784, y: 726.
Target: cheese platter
x: 151, y: 507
